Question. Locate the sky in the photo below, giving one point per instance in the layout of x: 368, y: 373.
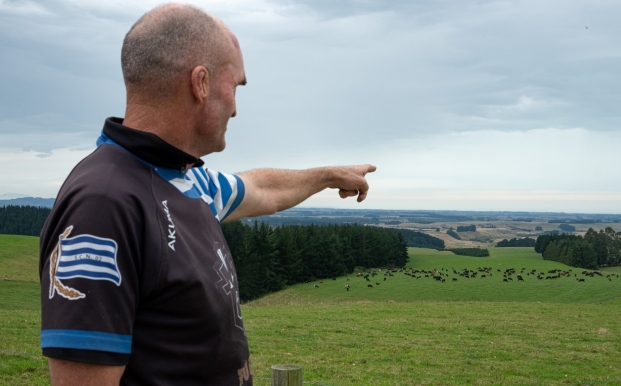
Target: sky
x: 461, y: 104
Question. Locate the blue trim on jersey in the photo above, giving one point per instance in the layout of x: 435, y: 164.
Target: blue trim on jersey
x: 214, y: 210
x: 201, y: 176
x: 167, y: 174
x: 103, y: 138
x: 213, y: 189
x: 225, y: 188
x: 86, y: 340
x: 196, y: 191
x: 241, y: 192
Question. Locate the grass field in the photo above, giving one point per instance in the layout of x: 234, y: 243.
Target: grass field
x: 19, y: 258
x: 401, y: 288
x: 405, y: 331
x: 440, y: 343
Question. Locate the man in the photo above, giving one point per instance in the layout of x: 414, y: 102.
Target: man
x: 138, y: 284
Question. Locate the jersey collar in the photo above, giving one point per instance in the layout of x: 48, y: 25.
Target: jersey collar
x: 147, y: 146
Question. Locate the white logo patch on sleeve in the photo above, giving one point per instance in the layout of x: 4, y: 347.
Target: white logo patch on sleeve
x: 84, y: 256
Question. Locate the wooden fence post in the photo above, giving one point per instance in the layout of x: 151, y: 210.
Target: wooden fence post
x: 286, y: 375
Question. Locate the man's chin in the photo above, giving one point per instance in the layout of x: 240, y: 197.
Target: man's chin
x: 221, y: 147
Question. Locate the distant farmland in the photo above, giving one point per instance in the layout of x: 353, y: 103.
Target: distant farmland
x: 405, y: 331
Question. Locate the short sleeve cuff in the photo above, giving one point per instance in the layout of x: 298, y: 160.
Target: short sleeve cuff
x: 86, y: 340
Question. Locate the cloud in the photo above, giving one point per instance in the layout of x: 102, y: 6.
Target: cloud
x: 21, y: 8
x: 27, y: 173
x: 350, y: 81
x: 536, y: 170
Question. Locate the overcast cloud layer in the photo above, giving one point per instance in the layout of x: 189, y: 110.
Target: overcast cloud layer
x: 507, y: 105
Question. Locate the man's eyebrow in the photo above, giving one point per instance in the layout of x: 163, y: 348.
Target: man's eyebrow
x: 243, y: 82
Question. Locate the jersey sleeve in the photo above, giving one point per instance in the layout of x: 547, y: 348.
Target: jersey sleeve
x: 89, y: 266
x: 223, y: 192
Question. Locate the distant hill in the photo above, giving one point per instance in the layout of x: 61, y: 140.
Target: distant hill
x: 29, y: 201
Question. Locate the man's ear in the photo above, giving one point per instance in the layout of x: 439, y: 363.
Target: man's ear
x: 200, y: 83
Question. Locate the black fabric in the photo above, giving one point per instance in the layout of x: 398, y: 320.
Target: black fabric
x: 87, y: 356
x: 149, y: 146
x: 178, y: 300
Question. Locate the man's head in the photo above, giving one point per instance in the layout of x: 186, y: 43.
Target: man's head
x: 179, y: 57
x: 168, y: 42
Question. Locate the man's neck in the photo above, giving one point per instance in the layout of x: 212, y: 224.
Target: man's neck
x: 168, y: 123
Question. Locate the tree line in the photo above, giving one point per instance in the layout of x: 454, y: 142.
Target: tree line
x: 467, y: 228
x: 476, y: 252
x: 421, y: 240
x: 22, y: 220
x: 606, y: 244
x: 453, y: 234
x: 567, y: 249
x: 567, y: 227
x: 595, y: 249
x: 268, y: 259
x: 515, y: 242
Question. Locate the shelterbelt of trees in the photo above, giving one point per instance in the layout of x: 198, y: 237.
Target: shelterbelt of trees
x: 22, y: 220
x: 267, y: 259
x: 475, y: 252
x: 515, y: 242
x: 595, y: 249
x: 421, y: 240
x: 453, y: 234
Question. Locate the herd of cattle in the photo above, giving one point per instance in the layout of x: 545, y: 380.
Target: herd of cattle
x: 444, y: 274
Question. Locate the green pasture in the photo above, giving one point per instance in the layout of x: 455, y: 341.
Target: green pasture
x: 405, y: 331
x: 402, y: 288
x: 439, y: 343
x: 19, y: 258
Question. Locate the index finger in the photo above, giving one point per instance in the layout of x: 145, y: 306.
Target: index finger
x: 370, y: 169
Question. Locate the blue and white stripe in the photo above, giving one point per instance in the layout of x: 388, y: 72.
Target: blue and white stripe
x: 88, y: 257
x: 222, y: 192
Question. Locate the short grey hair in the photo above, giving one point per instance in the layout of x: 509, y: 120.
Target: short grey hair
x: 168, y: 42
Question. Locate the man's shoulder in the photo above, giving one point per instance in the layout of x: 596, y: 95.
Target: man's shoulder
x: 109, y: 189
x: 110, y: 171
x: 112, y: 158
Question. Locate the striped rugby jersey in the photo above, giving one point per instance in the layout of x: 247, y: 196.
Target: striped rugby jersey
x: 135, y: 270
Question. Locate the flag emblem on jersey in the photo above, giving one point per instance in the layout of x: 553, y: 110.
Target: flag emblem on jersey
x: 82, y: 256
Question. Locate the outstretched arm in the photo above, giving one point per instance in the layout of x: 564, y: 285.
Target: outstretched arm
x: 271, y: 190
